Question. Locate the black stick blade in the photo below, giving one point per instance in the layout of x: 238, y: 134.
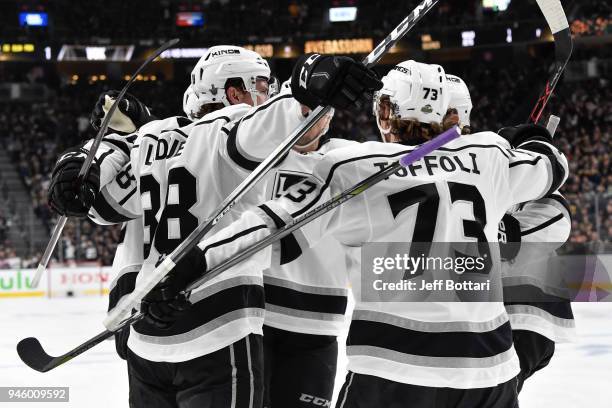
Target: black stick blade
x: 32, y: 353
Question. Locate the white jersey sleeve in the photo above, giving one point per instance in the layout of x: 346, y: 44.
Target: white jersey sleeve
x: 535, y: 168
x: 118, y: 199
x: 112, y: 154
x: 252, y: 138
x: 545, y: 225
x: 545, y: 220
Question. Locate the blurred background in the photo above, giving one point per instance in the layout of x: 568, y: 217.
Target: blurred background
x: 56, y: 56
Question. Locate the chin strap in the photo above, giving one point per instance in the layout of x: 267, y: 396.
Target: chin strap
x: 382, y: 131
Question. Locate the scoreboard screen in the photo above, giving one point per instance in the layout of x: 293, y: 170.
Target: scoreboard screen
x: 495, y: 5
x: 33, y: 19
x: 189, y: 19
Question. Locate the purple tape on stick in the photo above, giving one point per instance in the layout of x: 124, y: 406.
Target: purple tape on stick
x: 428, y: 147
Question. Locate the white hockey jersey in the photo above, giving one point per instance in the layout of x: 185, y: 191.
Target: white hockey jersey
x: 545, y: 225
x: 310, y: 294
x: 456, y: 194
x: 183, y: 174
x: 118, y: 202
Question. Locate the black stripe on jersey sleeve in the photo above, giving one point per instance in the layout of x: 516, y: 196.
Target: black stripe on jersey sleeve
x: 293, y: 299
x: 179, y: 131
x: 530, y: 162
x: 107, y: 212
x: 150, y: 136
x: 209, y: 309
x: 124, y: 285
x: 104, y: 156
x: 119, y: 145
x: 289, y: 246
x: 183, y: 121
x: 562, y: 310
x: 206, y: 122
x: 478, y: 146
x: 431, y: 344
x: 234, y: 153
x: 543, y: 225
x: 233, y: 237
x: 558, y: 172
x: 561, y: 200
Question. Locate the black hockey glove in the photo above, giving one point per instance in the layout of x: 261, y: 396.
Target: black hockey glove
x: 330, y: 80
x: 65, y: 196
x: 517, y: 135
x: 509, y: 237
x: 167, y: 302
x: 135, y: 113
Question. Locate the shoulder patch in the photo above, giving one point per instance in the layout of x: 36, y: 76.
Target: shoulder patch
x: 284, y: 180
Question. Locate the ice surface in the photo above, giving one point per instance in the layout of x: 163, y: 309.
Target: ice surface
x: 579, y: 374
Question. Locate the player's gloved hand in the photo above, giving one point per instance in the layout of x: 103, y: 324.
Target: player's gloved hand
x: 517, y: 135
x: 130, y: 115
x: 65, y: 196
x: 331, y: 80
x: 509, y: 237
x: 167, y: 302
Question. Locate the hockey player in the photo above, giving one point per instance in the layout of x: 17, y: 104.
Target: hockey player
x: 118, y: 185
x: 419, y: 354
x: 129, y: 255
x: 529, y: 234
x: 305, y: 299
x: 536, y: 298
x: 180, y: 182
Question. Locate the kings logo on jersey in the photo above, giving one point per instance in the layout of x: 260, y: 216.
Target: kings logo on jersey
x: 284, y: 180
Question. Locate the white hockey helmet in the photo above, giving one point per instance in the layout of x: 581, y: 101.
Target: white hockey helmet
x: 415, y: 91
x: 460, y: 99
x: 191, y: 103
x: 221, y: 63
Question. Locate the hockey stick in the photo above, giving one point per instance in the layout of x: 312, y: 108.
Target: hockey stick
x: 557, y: 21
x: 131, y: 301
x: 32, y: 353
x: 61, y: 223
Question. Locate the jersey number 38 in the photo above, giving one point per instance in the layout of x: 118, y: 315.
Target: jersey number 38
x: 175, y: 222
